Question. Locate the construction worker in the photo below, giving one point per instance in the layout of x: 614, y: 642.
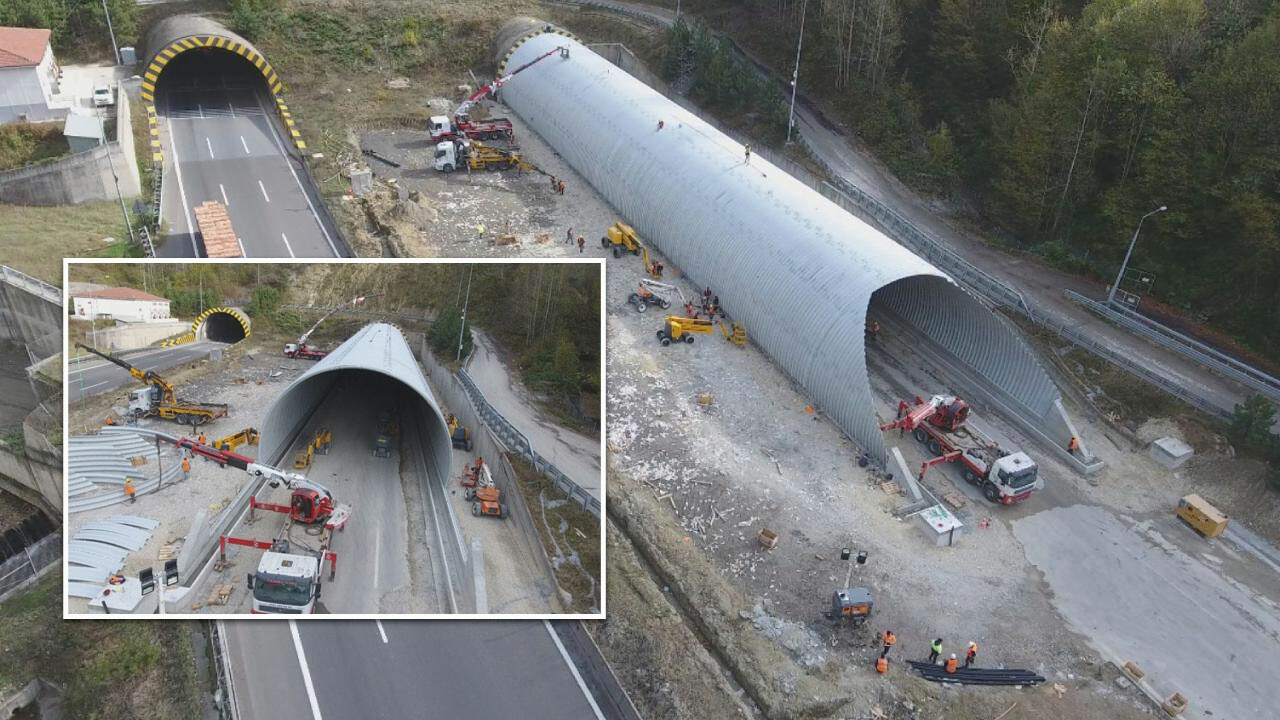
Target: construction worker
x: 480, y: 231
x: 560, y: 186
x: 660, y: 124
x: 971, y: 654
x: 951, y: 663
x: 1074, y: 445
x: 747, y: 155
x: 935, y: 650
x: 875, y: 330
x: 110, y: 421
x: 554, y: 183
x: 186, y: 469
x: 657, y: 268
x: 889, y: 639
x: 568, y: 236
x: 582, y: 243
x: 130, y: 490
x: 202, y: 439
x: 882, y: 664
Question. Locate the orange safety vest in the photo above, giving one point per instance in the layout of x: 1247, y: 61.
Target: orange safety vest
x: 1074, y: 445
x: 186, y: 464
x: 129, y: 489
x: 882, y: 665
x: 202, y: 439
x: 951, y: 665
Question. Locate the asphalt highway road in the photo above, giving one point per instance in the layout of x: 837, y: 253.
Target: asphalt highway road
x: 224, y: 144
x: 410, y: 670
x: 93, y: 377
x: 576, y: 455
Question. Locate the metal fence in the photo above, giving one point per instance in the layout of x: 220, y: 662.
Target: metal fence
x: 32, y: 285
x: 28, y: 564
x: 1189, y: 348
x: 517, y: 441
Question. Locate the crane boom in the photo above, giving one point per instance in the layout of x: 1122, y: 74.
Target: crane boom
x: 148, y: 377
x: 302, y: 340
x: 486, y: 90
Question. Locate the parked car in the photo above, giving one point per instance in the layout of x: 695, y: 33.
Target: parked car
x: 103, y: 96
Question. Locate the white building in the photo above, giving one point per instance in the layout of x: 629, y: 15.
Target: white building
x: 119, y: 303
x: 28, y: 76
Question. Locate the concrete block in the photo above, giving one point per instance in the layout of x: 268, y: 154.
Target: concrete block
x: 1171, y: 452
x: 361, y: 182
x: 940, y: 526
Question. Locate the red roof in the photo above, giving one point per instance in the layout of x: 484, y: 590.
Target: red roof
x: 119, y: 293
x: 22, y: 47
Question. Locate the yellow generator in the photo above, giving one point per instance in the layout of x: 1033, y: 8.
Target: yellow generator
x: 1201, y: 516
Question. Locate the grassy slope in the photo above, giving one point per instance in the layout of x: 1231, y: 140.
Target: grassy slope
x: 35, y: 239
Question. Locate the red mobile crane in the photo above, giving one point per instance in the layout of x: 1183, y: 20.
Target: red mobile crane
x: 941, y: 424
x: 300, y: 349
x: 288, y: 575
x: 493, y: 129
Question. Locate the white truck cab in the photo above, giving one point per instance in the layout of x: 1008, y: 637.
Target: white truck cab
x: 448, y: 157
x: 441, y: 125
x: 142, y: 400
x: 285, y: 583
x: 1013, y: 477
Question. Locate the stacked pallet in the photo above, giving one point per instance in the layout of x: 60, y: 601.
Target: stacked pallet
x: 219, y: 238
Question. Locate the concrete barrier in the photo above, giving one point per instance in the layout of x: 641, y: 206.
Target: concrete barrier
x: 89, y: 176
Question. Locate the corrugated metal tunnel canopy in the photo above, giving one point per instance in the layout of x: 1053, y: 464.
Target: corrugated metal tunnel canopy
x: 377, y: 349
x: 798, y: 270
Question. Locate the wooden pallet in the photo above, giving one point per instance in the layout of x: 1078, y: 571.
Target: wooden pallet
x: 955, y: 500
x: 167, y: 552
x: 890, y: 488
x: 220, y: 594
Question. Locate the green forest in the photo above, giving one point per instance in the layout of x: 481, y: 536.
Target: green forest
x: 1054, y: 125
x: 79, y: 27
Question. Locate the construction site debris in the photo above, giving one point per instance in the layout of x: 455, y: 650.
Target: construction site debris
x: 975, y: 675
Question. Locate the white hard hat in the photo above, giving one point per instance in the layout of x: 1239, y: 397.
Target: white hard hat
x: 953, y: 656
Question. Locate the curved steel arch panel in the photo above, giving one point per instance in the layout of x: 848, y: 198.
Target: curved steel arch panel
x: 379, y: 348
x: 177, y: 34
x: 797, y: 269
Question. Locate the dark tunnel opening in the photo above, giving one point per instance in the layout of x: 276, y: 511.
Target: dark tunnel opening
x: 224, y: 328
x: 214, y: 82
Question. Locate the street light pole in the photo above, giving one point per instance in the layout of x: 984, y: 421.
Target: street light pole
x: 465, y: 302
x: 795, y: 74
x: 1111, y: 296
x: 115, y: 48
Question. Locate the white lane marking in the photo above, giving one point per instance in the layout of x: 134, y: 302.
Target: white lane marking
x: 224, y: 195
x: 290, y: 249
x: 306, y: 673
x: 209, y: 143
x: 200, y: 106
x: 264, y: 191
x: 275, y: 135
x: 90, y: 387
x: 245, y: 144
x: 177, y: 170
x: 572, y: 668
x: 377, y: 553
x: 231, y: 108
x: 381, y: 631
x: 242, y: 252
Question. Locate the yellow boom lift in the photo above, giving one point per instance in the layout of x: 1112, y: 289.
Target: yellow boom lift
x: 677, y: 329
x: 622, y: 237
x: 159, y: 397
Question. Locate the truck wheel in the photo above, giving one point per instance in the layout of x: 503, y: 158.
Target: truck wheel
x: 970, y: 477
x: 469, y: 494
x: 475, y: 509
x: 665, y: 304
x: 641, y: 306
x: 604, y: 242
x: 933, y: 446
x: 991, y: 493
x: 920, y: 435
x: 502, y: 511
x: 660, y: 334
x: 617, y: 253
x: 468, y: 444
x: 688, y: 339
x: 448, y: 167
x: 665, y: 341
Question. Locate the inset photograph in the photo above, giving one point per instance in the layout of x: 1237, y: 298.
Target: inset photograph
x: 334, y: 438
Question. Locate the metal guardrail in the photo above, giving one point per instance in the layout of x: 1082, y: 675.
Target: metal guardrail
x: 1181, y: 344
x: 33, y: 285
x: 517, y: 440
x: 226, y: 696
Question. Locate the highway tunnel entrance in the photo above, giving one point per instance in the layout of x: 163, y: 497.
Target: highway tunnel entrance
x: 210, y: 82
x: 223, y: 325
x: 376, y: 387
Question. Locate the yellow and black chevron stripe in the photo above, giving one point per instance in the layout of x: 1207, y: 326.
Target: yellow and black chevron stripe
x: 179, y: 340
x: 219, y: 42
x: 287, y: 117
x: 153, y: 127
x: 502, y: 66
x: 195, y: 326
